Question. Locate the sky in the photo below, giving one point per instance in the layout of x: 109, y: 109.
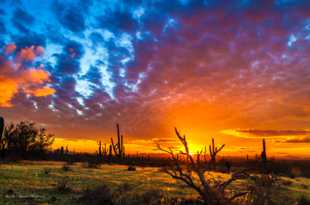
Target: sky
x: 234, y: 70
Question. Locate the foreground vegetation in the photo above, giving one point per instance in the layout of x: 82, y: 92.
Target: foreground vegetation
x: 182, y: 178
x: 59, y: 183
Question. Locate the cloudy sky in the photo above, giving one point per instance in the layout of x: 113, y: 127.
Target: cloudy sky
x: 235, y: 70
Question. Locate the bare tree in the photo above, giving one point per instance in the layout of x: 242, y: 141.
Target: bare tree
x: 192, y: 172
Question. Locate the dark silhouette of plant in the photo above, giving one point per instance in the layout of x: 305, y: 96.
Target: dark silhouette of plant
x: 98, y: 196
x: 264, y: 155
x: 100, y: 155
x: 43, y: 141
x: 213, y: 150
x: 303, y: 201
x: 66, y: 168
x: 63, y: 185
x: 228, y: 166
x: 131, y: 168
x: 192, y: 172
x: 25, y: 138
x: 263, y: 186
x: 1, y: 126
x: 118, y: 147
x: 3, y: 141
x: 93, y: 163
x: 261, y: 189
x: 102, y: 151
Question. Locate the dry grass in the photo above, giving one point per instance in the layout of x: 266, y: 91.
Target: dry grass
x: 29, y: 183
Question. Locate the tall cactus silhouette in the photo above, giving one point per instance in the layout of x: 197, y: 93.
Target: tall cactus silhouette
x: 2, y: 140
x: 118, y: 147
x: 213, y: 152
x: 99, y: 150
x: 1, y: 127
x: 264, y: 155
x: 110, y: 151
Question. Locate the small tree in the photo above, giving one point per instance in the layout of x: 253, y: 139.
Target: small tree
x: 192, y: 172
x: 43, y: 141
x: 25, y: 138
x: 3, y: 141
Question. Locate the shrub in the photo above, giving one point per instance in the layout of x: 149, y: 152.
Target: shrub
x: 66, y: 168
x: 62, y: 185
x: 93, y: 164
x: 303, y: 201
x: 127, y: 195
x: 100, y: 195
x: 47, y: 171
x: 131, y: 168
x: 262, y: 188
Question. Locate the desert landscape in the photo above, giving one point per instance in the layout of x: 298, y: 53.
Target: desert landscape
x: 154, y: 102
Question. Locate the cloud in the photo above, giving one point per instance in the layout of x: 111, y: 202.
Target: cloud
x: 9, y: 49
x: 21, y: 18
x: 154, y: 65
x: 71, y: 17
x: 15, y: 76
x: 305, y: 139
x: 276, y: 134
x: 8, y: 88
x: 68, y: 60
x: 26, y: 54
x: 42, y: 92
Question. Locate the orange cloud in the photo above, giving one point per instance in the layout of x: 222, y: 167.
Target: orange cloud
x: 35, y: 76
x: 14, y: 77
x: 8, y: 88
x: 42, y: 92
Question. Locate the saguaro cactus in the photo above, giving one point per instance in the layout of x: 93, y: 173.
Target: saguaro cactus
x: 2, y: 140
x: 105, y: 152
x: 99, y: 150
x: 213, y: 152
x: 264, y: 155
x: 110, y: 151
x: 1, y: 127
x: 118, y: 147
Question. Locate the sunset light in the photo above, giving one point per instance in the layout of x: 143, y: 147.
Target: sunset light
x: 126, y: 91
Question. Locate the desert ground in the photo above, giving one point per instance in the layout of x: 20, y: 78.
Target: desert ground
x: 45, y: 182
